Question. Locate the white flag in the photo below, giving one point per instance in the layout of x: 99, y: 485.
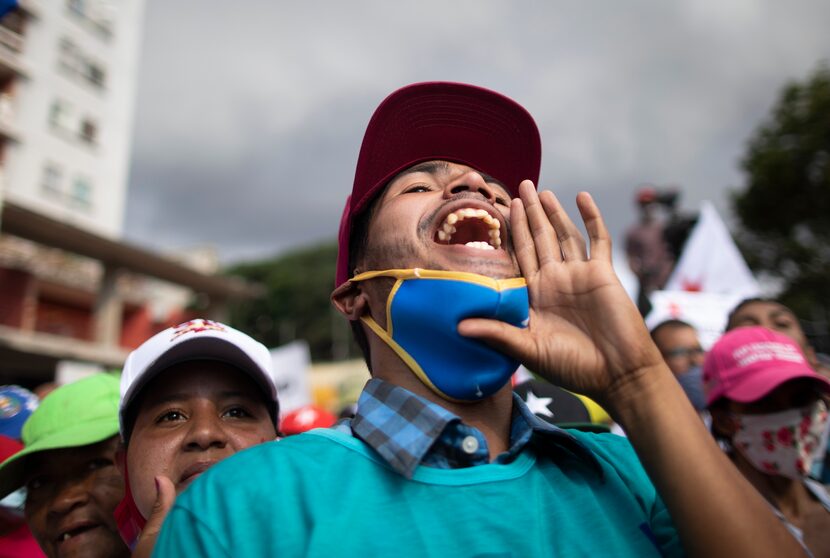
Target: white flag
x: 710, y: 261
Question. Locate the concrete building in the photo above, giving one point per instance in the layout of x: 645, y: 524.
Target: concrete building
x: 70, y: 289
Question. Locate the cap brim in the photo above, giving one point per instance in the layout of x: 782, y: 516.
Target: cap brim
x: 13, y: 469
x: 760, y: 383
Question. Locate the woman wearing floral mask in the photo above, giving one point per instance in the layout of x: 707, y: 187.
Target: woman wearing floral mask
x: 769, y: 408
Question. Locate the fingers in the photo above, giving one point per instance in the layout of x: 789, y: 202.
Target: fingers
x: 165, y: 496
x: 595, y: 226
x: 570, y: 239
x: 541, y: 231
x: 522, y: 242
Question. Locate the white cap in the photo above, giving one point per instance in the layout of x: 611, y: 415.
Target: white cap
x: 197, y: 339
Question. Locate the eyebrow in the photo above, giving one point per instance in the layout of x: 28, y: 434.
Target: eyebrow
x: 228, y: 394
x: 437, y: 167
x: 783, y: 312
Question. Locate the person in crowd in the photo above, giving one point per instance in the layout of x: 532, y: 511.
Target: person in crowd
x: 191, y: 396
x: 769, y: 408
x: 454, y: 271
x: 646, y: 248
x: 770, y: 313
x: 68, y: 468
x: 16, y: 540
x: 678, y: 343
x: 773, y: 315
x: 16, y: 406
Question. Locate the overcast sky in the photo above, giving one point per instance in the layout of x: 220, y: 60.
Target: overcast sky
x: 249, y: 114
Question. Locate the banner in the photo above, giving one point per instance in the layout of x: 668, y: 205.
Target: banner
x: 710, y: 261
x: 291, y: 364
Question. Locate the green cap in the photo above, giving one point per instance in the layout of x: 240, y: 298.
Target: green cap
x: 77, y: 414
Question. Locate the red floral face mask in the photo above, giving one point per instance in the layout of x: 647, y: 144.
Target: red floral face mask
x: 782, y: 443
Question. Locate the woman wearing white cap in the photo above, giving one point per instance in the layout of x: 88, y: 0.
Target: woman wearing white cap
x: 191, y: 396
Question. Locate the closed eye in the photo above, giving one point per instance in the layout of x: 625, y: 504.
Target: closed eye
x: 99, y: 463
x: 417, y: 188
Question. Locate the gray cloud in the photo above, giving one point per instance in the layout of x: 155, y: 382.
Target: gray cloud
x: 249, y: 117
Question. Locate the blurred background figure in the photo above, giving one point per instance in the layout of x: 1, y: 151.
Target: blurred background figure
x: 769, y: 409
x: 16, y: 540
x: 646, y: 248
x: 16, y: 405
x: 68, y: 467
x: 679, y: 344
x: 306, y: 418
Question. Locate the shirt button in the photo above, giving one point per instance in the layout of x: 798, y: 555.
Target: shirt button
x: 469, y: 444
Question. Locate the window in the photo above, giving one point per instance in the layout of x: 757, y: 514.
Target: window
x: 95, y: 13
x: 60, y: 116
x: 75, y: 62
x: 95, y: 74
x: 52, y: 178
x: 89, y: 131
x: 81, y: 192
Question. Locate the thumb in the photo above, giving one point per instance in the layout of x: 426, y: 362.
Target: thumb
x: 503, y: 337
x: 165, y: 496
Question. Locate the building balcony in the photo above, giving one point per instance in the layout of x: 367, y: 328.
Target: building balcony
x: 11, y: 48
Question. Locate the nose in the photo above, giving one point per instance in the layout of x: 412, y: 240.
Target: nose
x: 71, y: 494
x: 473, y: 182
x: 205, y: 431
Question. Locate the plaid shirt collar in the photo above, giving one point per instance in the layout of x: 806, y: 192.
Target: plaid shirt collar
x: 407, y: 431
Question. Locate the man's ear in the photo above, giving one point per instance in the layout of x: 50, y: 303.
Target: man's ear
x: 350, y: 300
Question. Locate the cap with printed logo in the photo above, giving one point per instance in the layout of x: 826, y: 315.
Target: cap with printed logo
x: 198, y: 339
x: 747, y: 363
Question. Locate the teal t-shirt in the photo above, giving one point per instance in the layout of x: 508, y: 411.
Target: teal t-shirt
x: 325, y: 493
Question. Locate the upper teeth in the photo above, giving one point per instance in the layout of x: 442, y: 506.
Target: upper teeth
x: 448, y: 228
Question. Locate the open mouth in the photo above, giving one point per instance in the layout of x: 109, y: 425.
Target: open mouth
x: 474, y: 228
x: 76, y: 530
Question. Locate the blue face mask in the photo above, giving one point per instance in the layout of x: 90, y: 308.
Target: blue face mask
x: 422, y: 315
x: 692, y: 383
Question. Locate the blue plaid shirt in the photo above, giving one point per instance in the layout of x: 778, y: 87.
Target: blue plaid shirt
x: 406, y: 430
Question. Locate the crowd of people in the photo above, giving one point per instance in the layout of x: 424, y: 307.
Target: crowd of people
x: 453, y: 271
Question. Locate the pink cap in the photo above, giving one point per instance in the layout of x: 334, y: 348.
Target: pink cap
x: 749, y: 362
x: 446, y: 121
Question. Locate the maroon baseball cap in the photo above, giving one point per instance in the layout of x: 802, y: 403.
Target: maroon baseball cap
x: 747, y: 363
x: 447, y: 121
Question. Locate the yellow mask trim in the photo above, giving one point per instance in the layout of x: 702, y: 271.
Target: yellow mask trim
x: 403, y: 355
x: 495, y: 284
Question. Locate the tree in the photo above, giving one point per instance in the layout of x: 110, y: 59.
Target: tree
x: 784, y: 208
x: 296, y: 304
